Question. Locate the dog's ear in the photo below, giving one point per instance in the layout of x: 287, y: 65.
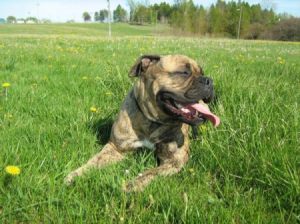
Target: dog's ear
x: 142, y: 64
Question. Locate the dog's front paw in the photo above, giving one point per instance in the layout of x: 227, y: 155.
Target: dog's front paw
x: 70, y: 178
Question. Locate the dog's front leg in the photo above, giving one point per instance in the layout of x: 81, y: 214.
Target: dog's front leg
x: 171, y: 159
x: 108, y: 155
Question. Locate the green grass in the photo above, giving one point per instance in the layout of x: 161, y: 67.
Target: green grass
x: 77, y: 29
x: 245, y: 171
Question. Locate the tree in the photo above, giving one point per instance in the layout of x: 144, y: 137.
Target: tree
x: 103, y: 14
x: 132, y: 7
x: 202, y: 21
x: 224, y: 18
x: 96, y: 17
x: 120, y: 14
x: 162, y: 11
x: 246, y: 18
x: 268, y: 4
x: 215, y: 20
x: 11, y: 19
x: 142, y: 14
x: 256, y: 14
x: 34, y: 19
x: 255, y: 31
x: 86, y: 17
x: 288, y: 30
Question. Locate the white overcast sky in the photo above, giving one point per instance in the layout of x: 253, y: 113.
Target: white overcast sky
x: 63, y: 10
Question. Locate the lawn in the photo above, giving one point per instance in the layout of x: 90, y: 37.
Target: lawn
x: 78, y: 29
x: 245, y: 171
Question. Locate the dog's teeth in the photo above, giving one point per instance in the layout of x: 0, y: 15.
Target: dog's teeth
x: 178, y: 105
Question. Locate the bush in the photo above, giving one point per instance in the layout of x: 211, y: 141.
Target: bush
x: 286, y: 30
x: 255, y: 31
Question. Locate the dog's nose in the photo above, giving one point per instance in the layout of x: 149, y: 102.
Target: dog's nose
x: 206, y: 81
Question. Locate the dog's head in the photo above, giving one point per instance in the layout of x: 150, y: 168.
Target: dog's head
x: 170, y: 88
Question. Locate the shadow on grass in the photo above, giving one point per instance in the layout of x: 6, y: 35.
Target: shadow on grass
x: 102, y: 128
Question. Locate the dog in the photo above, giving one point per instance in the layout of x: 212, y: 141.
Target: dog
x: 170, y: 94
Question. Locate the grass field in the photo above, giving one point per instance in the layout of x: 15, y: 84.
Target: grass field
x: 245, y: 171
x: 91, y: 30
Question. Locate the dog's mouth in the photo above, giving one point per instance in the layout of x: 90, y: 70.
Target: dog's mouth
x: 191, y: 112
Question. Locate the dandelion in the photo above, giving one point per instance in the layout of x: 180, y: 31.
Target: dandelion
x: 6, y: 85
x: 280, y: 60
x: 8, y: 116
x: 93, y: 109
x: 12, y: 170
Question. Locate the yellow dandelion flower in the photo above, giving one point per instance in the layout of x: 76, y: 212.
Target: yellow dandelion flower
x: 93, y: 109
x: 6, y: 85
x: 13, y: 170
x: 8, y: 116
x: 280, y: 60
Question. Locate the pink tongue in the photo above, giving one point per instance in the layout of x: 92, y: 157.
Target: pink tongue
x: 206, y: 113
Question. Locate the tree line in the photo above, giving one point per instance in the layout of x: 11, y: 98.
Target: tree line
x: 12, y: 19
x: 229, y: 19
x: 224, y: 19
x: 119, y: 15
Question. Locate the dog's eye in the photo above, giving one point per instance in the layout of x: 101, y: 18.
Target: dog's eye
x: 184, y: 73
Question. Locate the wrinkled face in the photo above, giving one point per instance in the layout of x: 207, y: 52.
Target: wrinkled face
x: 169, y: 86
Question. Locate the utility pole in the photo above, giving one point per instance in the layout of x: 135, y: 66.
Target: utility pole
x: 37, y: 10
x: 109, y: 19
x: 239, y: 29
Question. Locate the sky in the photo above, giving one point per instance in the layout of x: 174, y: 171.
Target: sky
x: 64, y: 10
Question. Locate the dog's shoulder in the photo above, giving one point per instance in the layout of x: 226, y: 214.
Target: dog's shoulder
x: 129, y: 104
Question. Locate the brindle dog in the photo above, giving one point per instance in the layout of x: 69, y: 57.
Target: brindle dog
x: 157, y: 113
